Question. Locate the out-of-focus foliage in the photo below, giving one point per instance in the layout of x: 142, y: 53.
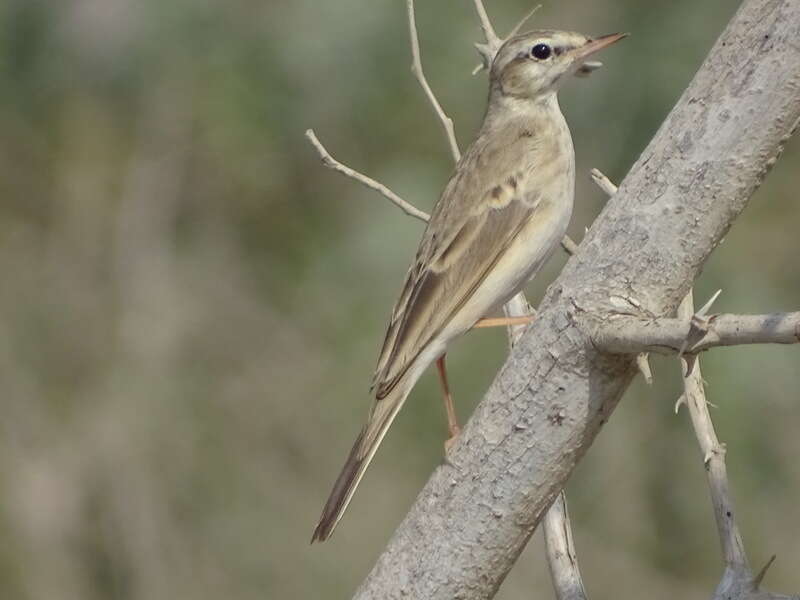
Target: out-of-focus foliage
x: 191, y: 305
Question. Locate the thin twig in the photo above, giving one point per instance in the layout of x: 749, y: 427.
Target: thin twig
x: 737, y: 580
x: 489, y: 49
x: 515, y: 30
x: 492, y: 40
x: 561, y: 557
x: 517, y: 307
x: 569, y: 246
x: 714, y: 458
x: 416, y: 69
x: 603, y: 182
x: 334, y: 164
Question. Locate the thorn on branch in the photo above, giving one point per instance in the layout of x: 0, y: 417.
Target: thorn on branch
x: 681, y: 401
x: 643, y: 364
x: 707, y: 306
x: 760, y: 577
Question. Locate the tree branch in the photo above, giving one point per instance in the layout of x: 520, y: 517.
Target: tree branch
x: 643, y: 358
x: 625, y: 334
x: 560, y: 549
x: 493, y: 41
x: 416, y: 69
x: 737, y: 580
x: 713, y: 454
x: 556, y: 390
x: 384, y: 191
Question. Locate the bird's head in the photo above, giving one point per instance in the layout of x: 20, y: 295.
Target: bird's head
x: 534, y: 64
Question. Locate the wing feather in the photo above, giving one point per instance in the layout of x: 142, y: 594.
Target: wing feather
x: 440, y: 286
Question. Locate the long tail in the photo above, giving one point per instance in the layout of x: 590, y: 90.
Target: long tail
x: 358, y: 460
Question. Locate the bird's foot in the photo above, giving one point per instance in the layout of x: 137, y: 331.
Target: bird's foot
x: 449, y: 442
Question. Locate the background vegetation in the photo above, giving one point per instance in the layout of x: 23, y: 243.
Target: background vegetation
x: 191, y: 305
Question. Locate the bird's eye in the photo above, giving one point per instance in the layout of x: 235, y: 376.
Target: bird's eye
x: 540, y: 51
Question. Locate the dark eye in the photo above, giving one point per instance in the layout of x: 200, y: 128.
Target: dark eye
x: 540, y: 51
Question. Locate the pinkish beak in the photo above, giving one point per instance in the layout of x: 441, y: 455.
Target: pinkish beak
x: 585, y: 51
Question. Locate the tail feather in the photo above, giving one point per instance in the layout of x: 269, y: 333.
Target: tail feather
x: 358, y: 460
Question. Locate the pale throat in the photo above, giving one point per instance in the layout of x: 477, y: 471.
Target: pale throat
x: 541, y: 116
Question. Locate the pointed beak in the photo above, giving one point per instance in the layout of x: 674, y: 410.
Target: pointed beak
x: 585, y: 51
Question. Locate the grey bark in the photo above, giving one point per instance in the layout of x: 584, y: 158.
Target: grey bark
x: 475, y: 515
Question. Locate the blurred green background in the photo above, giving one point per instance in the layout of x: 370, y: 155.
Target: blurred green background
x: 192, y: 305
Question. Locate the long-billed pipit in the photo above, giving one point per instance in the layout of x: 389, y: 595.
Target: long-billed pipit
x: 501, y: 215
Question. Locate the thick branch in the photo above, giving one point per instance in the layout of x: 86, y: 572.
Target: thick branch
x: 643, y: 358
x: 625, y: 334
x: 556, y: 390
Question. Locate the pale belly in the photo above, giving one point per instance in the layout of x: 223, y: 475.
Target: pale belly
x: 519, y: 264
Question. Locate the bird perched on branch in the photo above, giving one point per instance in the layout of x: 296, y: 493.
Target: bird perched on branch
x: 501, y: 215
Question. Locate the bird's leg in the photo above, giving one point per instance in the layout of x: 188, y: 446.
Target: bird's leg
x: 503, y: 321
x: 452, y: 421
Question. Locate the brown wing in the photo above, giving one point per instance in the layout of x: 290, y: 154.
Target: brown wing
x: 471, y: 227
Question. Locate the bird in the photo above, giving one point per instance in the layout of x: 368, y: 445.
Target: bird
x: 503, y: 212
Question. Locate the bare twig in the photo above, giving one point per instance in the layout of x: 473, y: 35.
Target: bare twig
x: 603, y: 182
x: 561, y: 557
x: 416, y: 69
x: 627, y: 334
x: 334, y: 164
x: 713, y: 453
x: 713, y: 457
x: 515, y: 30
x: 493, y: 42
x: 738, y: 580
x: 569, y: 246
